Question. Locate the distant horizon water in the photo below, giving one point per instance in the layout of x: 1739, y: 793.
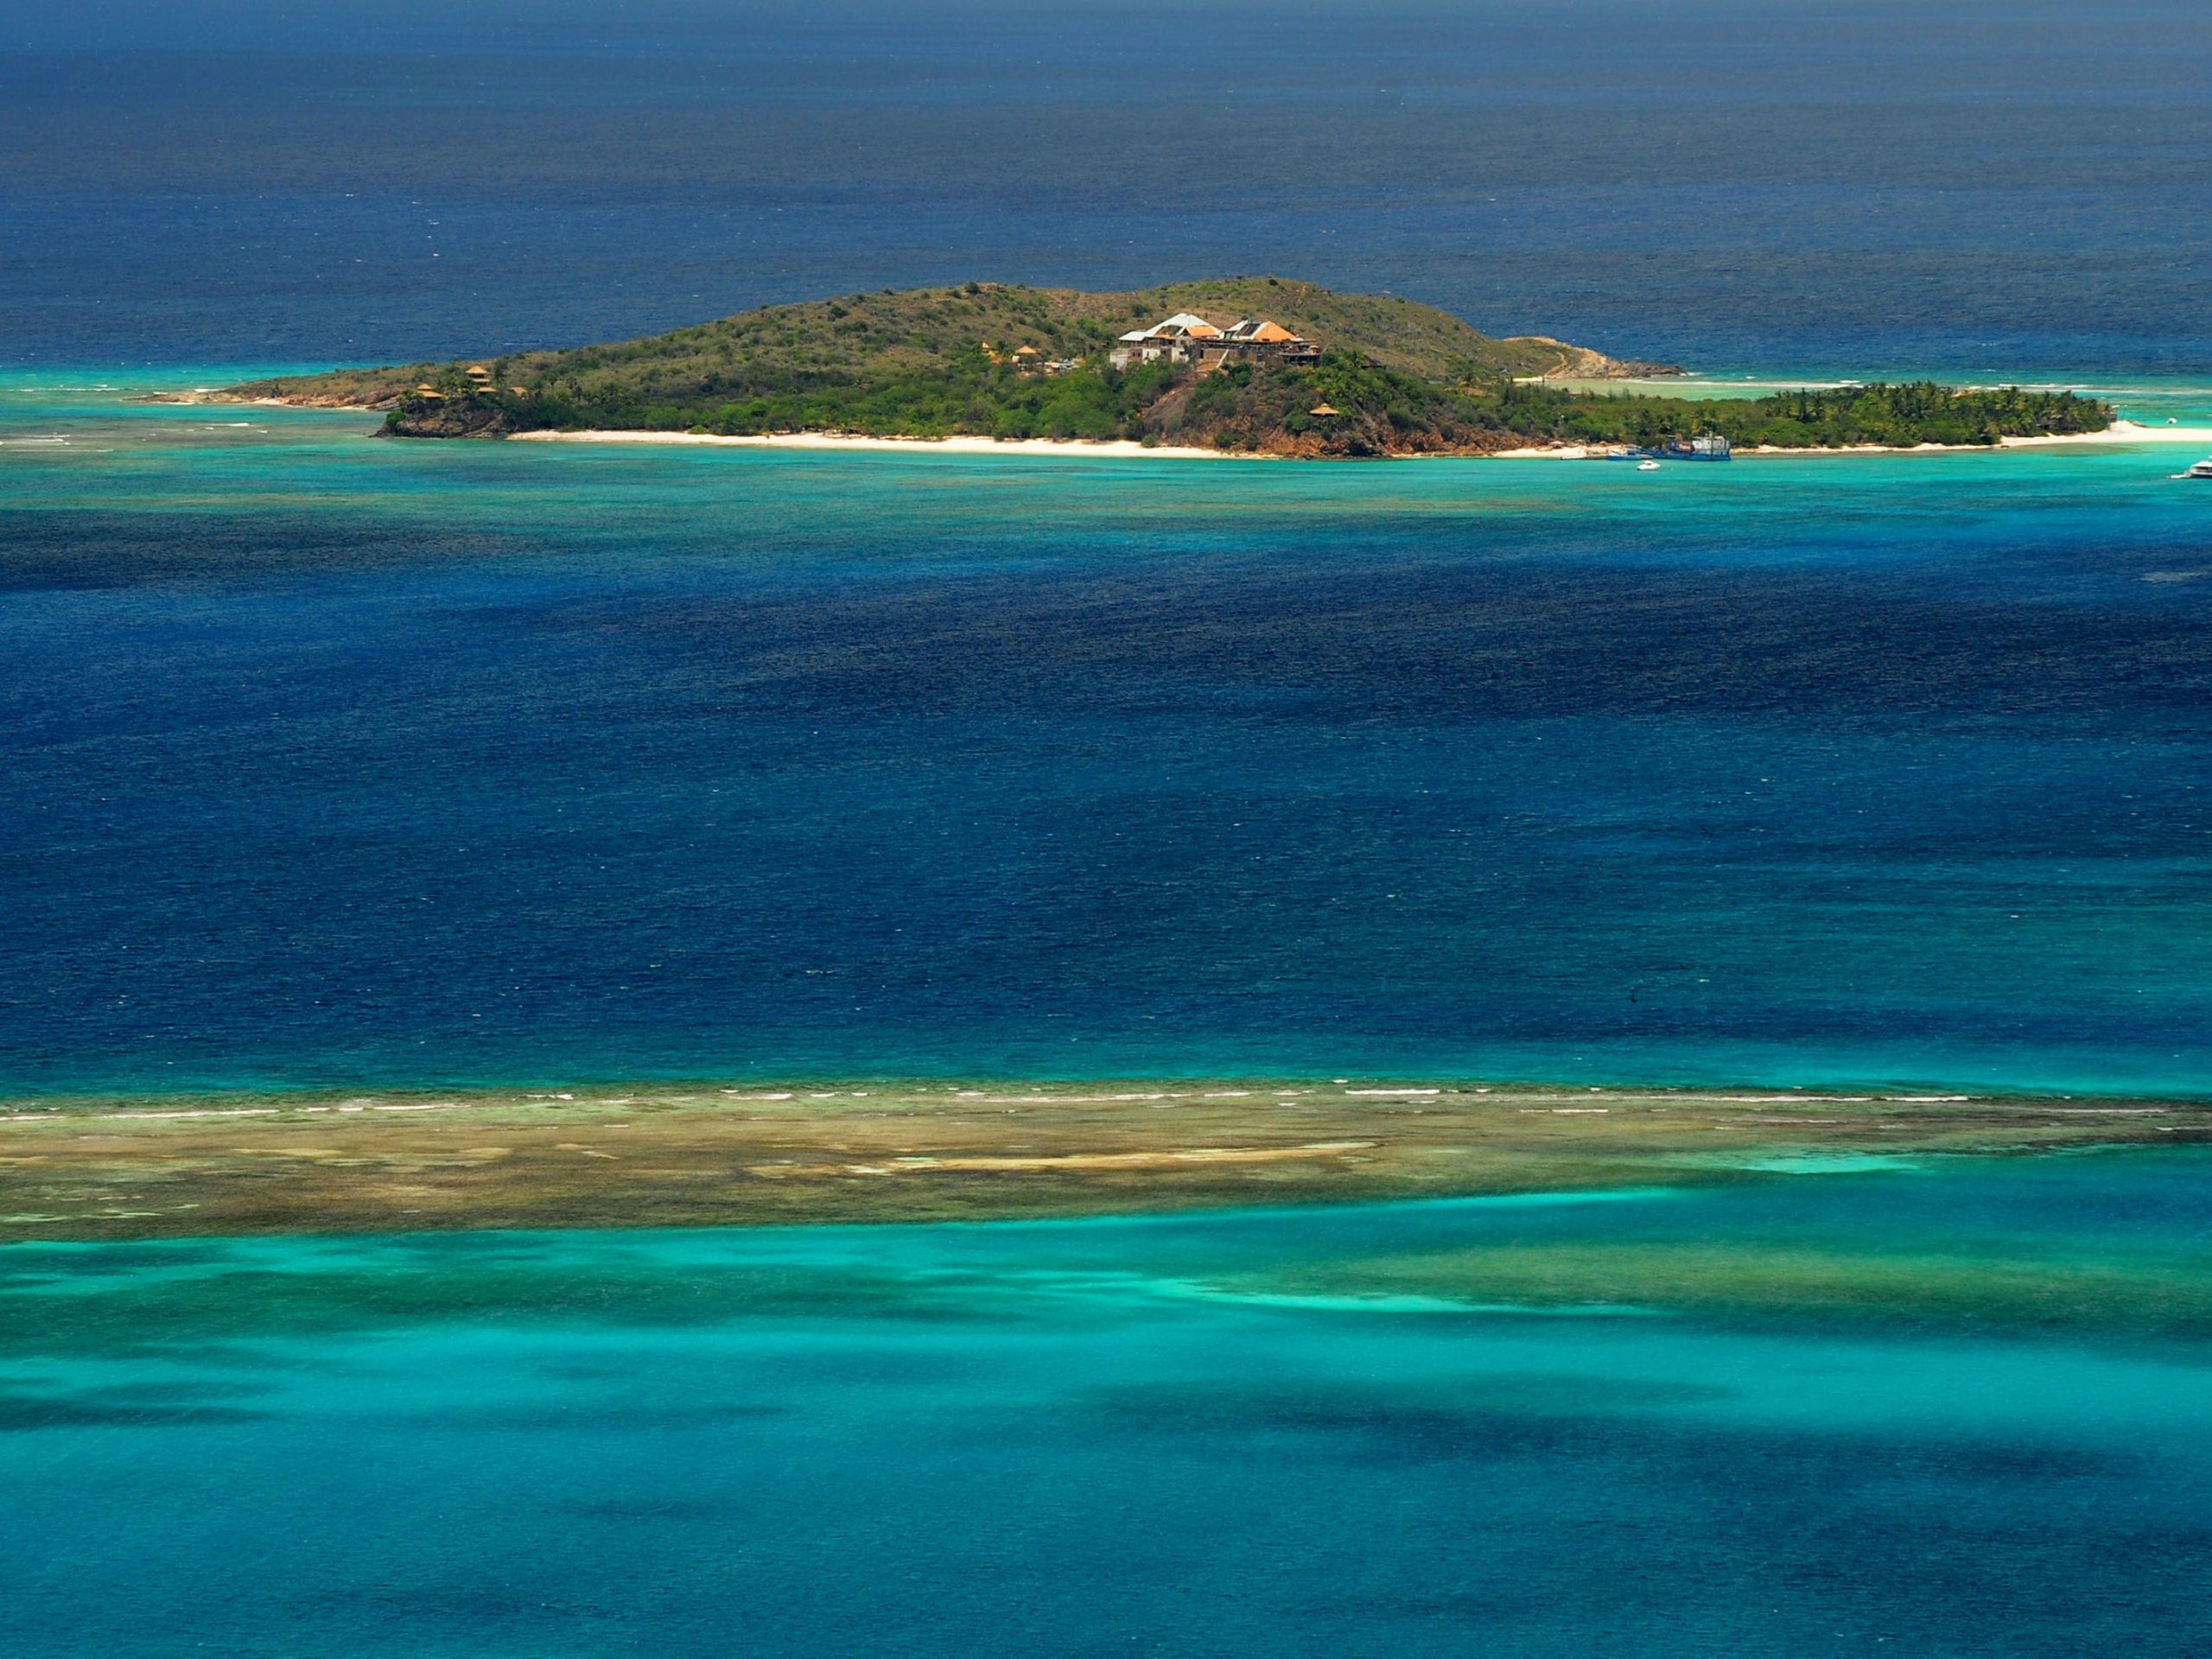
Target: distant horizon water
x: 1822, y: 185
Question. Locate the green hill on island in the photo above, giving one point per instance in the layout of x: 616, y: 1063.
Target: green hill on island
x: 1310, y: 373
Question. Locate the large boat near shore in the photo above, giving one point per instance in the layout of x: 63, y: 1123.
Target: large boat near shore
x: 1711, y: 446
x: 2203, y: 469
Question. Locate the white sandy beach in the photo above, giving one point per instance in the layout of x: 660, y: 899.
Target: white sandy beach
x: 965, y: 446
x: 2121, y: 432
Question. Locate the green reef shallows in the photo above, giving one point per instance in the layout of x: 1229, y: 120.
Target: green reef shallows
x: 1658, y: 1421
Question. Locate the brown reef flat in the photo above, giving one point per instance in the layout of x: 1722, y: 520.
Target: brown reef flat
x: 695, y: 1155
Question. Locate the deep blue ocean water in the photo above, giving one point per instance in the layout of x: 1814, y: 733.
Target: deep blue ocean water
x: 328, y: 762
x: 1859, y: 187
x: 331, y: 759
x: 1143, y: 1436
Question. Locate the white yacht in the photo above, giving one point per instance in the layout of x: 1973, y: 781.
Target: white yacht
x: 2203, y: 469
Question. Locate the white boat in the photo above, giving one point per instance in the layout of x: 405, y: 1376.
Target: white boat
x: 2203, y: 469
x: 1647, y: 466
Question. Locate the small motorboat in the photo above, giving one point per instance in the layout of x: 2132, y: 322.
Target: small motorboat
x: 2203, y: 469
x: 1647, y: 466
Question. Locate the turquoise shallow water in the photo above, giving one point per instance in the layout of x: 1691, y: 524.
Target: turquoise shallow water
x: 1165, y: 1435
x: 330, y: 760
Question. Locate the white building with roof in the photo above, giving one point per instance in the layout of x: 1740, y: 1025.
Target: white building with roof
x: 1187, y: 337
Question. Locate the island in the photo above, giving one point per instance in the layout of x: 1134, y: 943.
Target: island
x: 1260, y: 365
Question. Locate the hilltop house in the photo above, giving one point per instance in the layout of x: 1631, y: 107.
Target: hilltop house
x: 1188, y: 338
x: 1174, y: 339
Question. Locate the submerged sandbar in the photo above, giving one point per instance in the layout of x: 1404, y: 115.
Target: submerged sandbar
x: 669, y: 1154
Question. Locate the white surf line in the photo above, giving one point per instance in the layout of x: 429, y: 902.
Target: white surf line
x: 60, y: 1116
x: 228, y: 1111
x: 2104, y: 1111
x: 103, y: 1117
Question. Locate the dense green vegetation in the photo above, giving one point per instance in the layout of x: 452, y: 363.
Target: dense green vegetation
x: 967, y: 393
x: 880, y: 339
x: 1382, y: 412
x: 1395, y: 378
x: 1919, y: 412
